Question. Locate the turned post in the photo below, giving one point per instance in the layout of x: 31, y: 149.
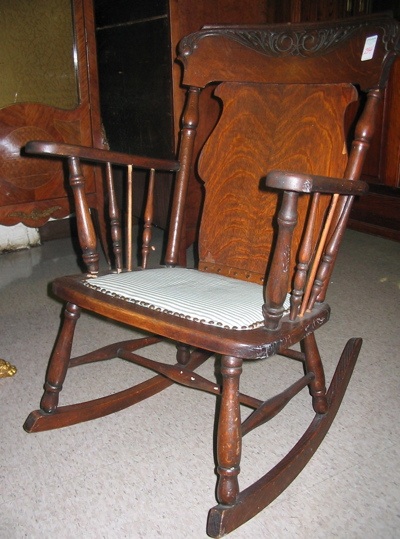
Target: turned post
x: 148, y: 219
x: 183, y: 353
x: 279, y: 275
x: 305, y: 254
x: 86, y: 232
x: 229, y: 439
x: 59, y: 362
x: 115, y: 220
x: 190, y: 121
x: 313, y: 364
x: 364, y: 132
x: 320, y: 250
x: 129, y: 218
x: 328, y: 259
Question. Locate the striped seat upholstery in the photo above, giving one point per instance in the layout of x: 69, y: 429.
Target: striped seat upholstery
x: 202, y: 297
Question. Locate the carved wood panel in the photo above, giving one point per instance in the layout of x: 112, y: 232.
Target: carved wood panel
x: 32, y: 190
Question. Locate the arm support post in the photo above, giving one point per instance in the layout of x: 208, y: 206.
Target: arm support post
x: 278, y: 278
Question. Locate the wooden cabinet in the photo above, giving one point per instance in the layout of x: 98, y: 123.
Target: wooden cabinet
x: 49, y: 92
x: 140, y: 91
x: 315, y: 10
x: 135, y: 79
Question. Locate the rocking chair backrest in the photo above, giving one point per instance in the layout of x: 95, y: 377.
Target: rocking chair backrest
x: 284, y: 91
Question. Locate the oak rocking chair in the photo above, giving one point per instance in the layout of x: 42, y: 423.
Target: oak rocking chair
x: 280, y: 172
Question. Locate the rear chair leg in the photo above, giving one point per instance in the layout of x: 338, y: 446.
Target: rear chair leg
x: 229, y: 438
x: 59, y: 361
x: 183, y: 353
x: 313, y: 364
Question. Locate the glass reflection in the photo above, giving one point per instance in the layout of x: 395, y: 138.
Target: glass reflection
x: 37, y: 53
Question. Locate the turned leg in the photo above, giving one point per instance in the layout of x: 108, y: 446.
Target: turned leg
x: 183, y: 353
x: 314, y: 364
x: 60, y: 359
x: 229, y: 438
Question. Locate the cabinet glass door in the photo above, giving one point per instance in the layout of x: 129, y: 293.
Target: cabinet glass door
x: 37, y: 53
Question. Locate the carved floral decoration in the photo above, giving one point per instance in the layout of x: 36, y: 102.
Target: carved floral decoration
x: 288, y: 39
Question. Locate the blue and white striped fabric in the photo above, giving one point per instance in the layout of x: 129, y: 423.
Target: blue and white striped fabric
x: 202, y: 297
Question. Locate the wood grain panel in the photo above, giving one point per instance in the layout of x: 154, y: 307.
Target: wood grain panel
x: 256, y: 135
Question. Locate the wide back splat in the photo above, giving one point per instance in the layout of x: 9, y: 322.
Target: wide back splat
x: 265, y: 127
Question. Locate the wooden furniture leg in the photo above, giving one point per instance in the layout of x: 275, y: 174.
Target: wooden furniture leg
x: 223, y: 519
x: 63, y: 416
x: 59, y: 361
x: 313, y: 364
x: 229, y: 441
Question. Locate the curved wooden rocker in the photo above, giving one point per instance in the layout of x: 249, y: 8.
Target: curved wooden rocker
x: 279, y: 178
x: 61, y: 416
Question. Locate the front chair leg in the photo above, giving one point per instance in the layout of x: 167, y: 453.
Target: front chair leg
x: 59, y: 361
x: 229, y: 438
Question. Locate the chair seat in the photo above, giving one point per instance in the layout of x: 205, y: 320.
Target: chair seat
x: 206, y: 298
x: 251, y: 344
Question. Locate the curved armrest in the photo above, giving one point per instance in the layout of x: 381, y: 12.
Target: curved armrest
x: 308, y: 183
x: 97, y: 155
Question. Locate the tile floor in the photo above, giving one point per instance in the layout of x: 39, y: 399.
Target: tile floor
x: 147, y: 472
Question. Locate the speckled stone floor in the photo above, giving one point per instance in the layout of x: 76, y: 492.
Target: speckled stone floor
x: 148, y: 471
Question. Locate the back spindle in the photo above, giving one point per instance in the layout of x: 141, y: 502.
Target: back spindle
x: 318, y: 254
x: 148, y: 219
x: 305, y: 255
x: 115, y: 219
x: 329, y: 256
x: 362, y: 139
x: 86, y: 231
x: 129, y: 218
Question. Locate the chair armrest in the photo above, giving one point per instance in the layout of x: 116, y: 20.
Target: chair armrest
x: 308, y: 183
x: 97, y: 155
